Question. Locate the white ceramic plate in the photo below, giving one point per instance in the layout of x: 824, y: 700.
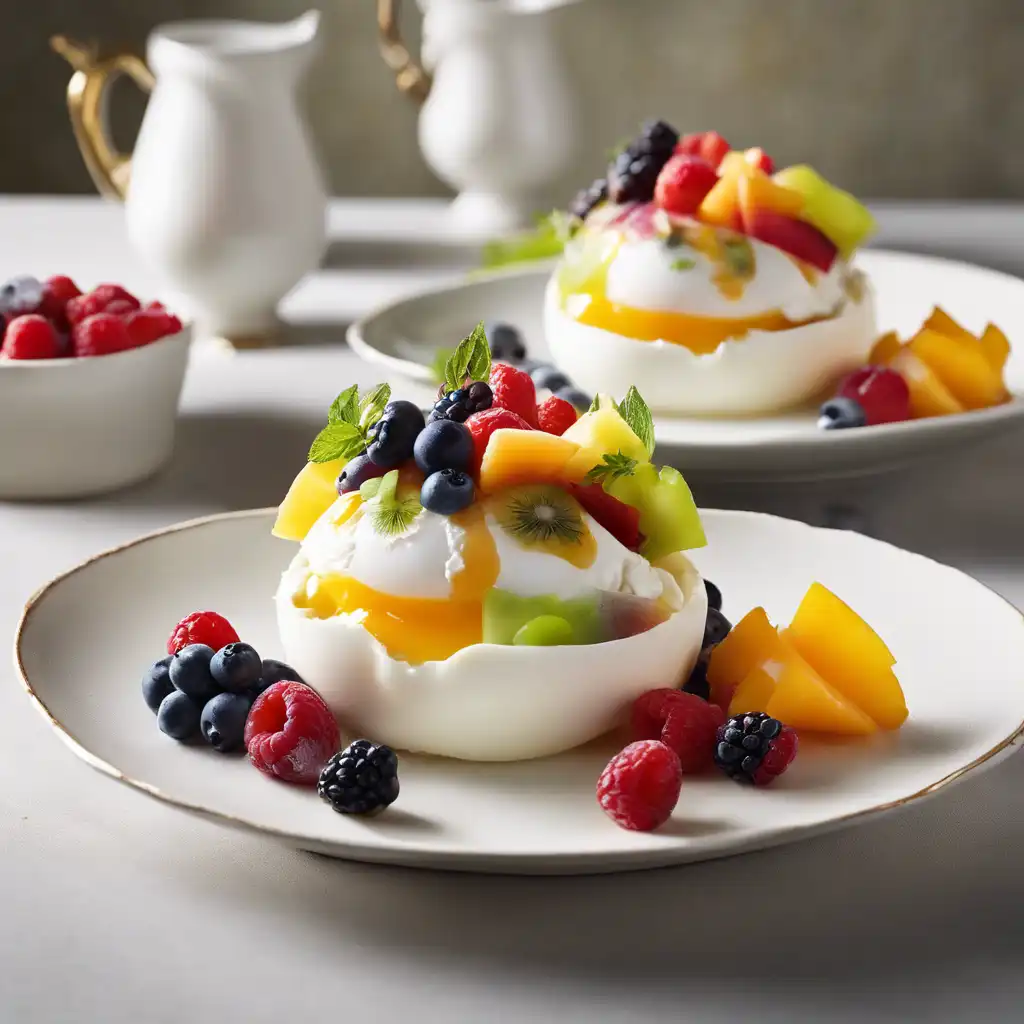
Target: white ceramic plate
x: 403, y: 337
x: 960, y: 650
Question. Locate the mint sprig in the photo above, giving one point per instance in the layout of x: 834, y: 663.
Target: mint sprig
x: 472, y: 358
x: 634, y: 410
x: 612, y: 467
x: 349, y: 422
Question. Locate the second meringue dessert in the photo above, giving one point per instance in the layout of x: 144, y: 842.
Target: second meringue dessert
x: 476, y: 587
x: 714, y: 283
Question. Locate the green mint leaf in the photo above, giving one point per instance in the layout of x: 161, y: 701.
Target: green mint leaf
x: 739, y: 255
x: 611, y: 468
x: 337, y: 441
x: 595, y: 403
x: 633, y: 409
x: 544, y: 242
x: 371, y: 405
x: 683, y: 263
x: 438, y: 363
x: 472, y: 358
x: 345, y: 408
x: 480, y: 358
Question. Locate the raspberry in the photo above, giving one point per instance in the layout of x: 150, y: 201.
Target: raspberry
x: 57, y: 293
x: 202, y: 628
x: 709, y: 146
x: 31, y: 337
x: 640, y: 785
x: 101, y: 334
x: 755, y: 748
x: 96, y: 301
x: 683, y: 183
x: 291, y: 733
x: 622, y: 521
x: 681, y: 721
x: 149, y: 325
x: 882, y: 394
x: 514, y: 390
x: 482, y: 424
x: 555, y: 415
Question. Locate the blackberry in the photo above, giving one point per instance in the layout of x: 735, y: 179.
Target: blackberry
x: 361, y: 779
x: 754, y: 748
x: 659, y: 137
x: 479, y: 397
x: 588, y: 198
x: 460, y: 404
x: 634, y: 171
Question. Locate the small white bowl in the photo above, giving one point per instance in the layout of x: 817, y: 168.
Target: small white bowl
x: 70, y: 428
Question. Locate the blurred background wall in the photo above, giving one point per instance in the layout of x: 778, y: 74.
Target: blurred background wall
x: 891, y: 98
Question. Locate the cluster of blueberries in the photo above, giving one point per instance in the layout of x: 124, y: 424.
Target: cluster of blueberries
x: 200, y: 691
x: 507, y: 346
x: 716, y: 628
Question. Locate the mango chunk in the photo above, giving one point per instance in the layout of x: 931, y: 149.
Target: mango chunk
x: 887, y: 346
x: 941, y: 322
x: 752, y: 641
x: 753, y: 694
x: 928, y: 395
x: 515, y: 457
x: 995, y: 346
x: 311, y: 494
x: 962, y: 367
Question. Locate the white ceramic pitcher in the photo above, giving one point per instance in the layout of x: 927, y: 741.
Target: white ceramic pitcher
x: 497, y: 120
x: 223, y: 194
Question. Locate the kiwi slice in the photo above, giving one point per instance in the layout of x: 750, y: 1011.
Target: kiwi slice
x: 541, y: 515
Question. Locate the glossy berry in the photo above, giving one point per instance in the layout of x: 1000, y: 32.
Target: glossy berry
x: 507, y: 345
x: 190, y: 672
x: 102, y: 334
x: 356, y: 472
x: 683, y: 183
x: 482, y: 424
x: 682, y: 721
x: 31, y: 337
x: 555, y: 415
x: 588, y: 198
x: 714, y: 595
x: 716, y: 627
x: 395, y: 433
x: 443, y: 444
x: 841, y: 414
x: 236, y: 667
x: 479, y: 396
x: 145, y: 326
x: 178, y: 716
x: 97, y: 301
x: 697, y: 682
x: 446, y: 492
x: 580, y: 400
x: 545, y: 376
x: 156, y: 683
x: 640, y: 786
x: 21, y: 295
x: 58, y: 291
x: 514, y: 390
x: 361, y: 779
x: 290, y: 733
x: 755, y: 748
x: 201, y: 628
x: 222, y: 721
x: 710, y: 146
x: 882, y: 394
x: 273, y: 672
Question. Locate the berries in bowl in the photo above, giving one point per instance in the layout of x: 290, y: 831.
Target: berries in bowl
x: 89, y: 384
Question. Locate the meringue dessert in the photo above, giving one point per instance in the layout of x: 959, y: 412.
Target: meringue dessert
x: 475, y: 587
x: 714, y: 283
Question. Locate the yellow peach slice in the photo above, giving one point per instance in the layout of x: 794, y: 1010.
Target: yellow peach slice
x: 928, y: 395
x: 526, y: 456
x: 995, y: 347
x: 311, y: 494
x: 887, y: 346
x: 753, y: 694
x: 962, y: 367
x: 752, y: 641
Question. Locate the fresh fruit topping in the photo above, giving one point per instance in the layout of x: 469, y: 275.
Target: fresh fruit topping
x: 929, y: 396
x: 837, y: 214
x: 482, y: 425
x: 443, y: 444
x: 887, y: 346
x: 391, y: 507
x: 506, y: 615
x: 460, y: 404
x: 30, y: 336
x: 207, y: 628
x: 514, y: 389
x: 190, y: 672
x: 683, y: 183
x: 755, y: 748
x: 236, y: 667
x: 21, y: 295
x: 555, y: 415
x: 507, y: 345
x: 604, y: 431
x: 291, y: 733
x: 962, y: 366
x: 721, y: 206
x: 361, y: 779
x: 395, y: 433
x: 352, y: 424
x: 544, y: 631
x: 797, y: 237
x: 634, y: 171
x: 622, y: 521
x: 757, y: 192
x: 841, y: 414
x: 274, y: 671
x: 996, y: 346
x: 515, y: 457
x: 882, y: 394
x: 539, y: 514
x: 750, y: 643
x: 714, y: 595
x: 697, y: 682
x: 311, y: 494
x: 447, y: 491
x: 709, y: 146
x: 759, y: 159
x: 585, y: 201
x: 178, y: 716
x: 550, y: 377
x: 222, y: 721
x: 156, y: 684
x: 57, y: 293
x: 355, y: 473
x: 681, y: 721
x: 716, y: 628
x: 639, y: 787
x: 578, y: 399
x: 101, y: 334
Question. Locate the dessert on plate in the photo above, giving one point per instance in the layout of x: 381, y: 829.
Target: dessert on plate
x: 714, y: 282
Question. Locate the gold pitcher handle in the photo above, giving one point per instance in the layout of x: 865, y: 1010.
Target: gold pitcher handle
x: 411, y: 77
x: 87, y: 94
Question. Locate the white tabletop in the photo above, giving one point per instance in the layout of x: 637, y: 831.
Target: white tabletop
x: 114, y: 908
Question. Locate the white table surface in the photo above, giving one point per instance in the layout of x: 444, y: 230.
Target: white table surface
x: 114, y: 908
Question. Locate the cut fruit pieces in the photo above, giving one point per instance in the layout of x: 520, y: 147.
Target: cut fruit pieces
x: 721, y: 206
x: 846, y: 651
x: 752, y: 642
x: 599, y: 433
x: 753, y: 694
x: 515, y: 457
x: 887, y: 346
x: 939, y: 320
x: 928, y: 395
x: 961, y: 366
x: 995, y: 346
x: 311, y: 494
x: 758, y: 192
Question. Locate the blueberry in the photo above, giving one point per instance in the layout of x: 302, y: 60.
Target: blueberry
x: 444, y: 444
x: 716, y: 628
x: 714, y: 596
x: 458, y: 414
x: 23, y: 294
x: 506, y: 343
x: 236, y: 667
x: 446, y: 492
x: 273, y: 672
x: 395, y: 434
x: 479, y: 397
x: 178, y: 716
x: 190, y: 672
x: 580, y: 399
x: 223, y: 721
x: 408, y: 414
x: 841, y: 414
x: 356, y: 472
x: 551, y: 378
x: 456, y: 396
x: 156, y: 684
x: 698, y: 683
